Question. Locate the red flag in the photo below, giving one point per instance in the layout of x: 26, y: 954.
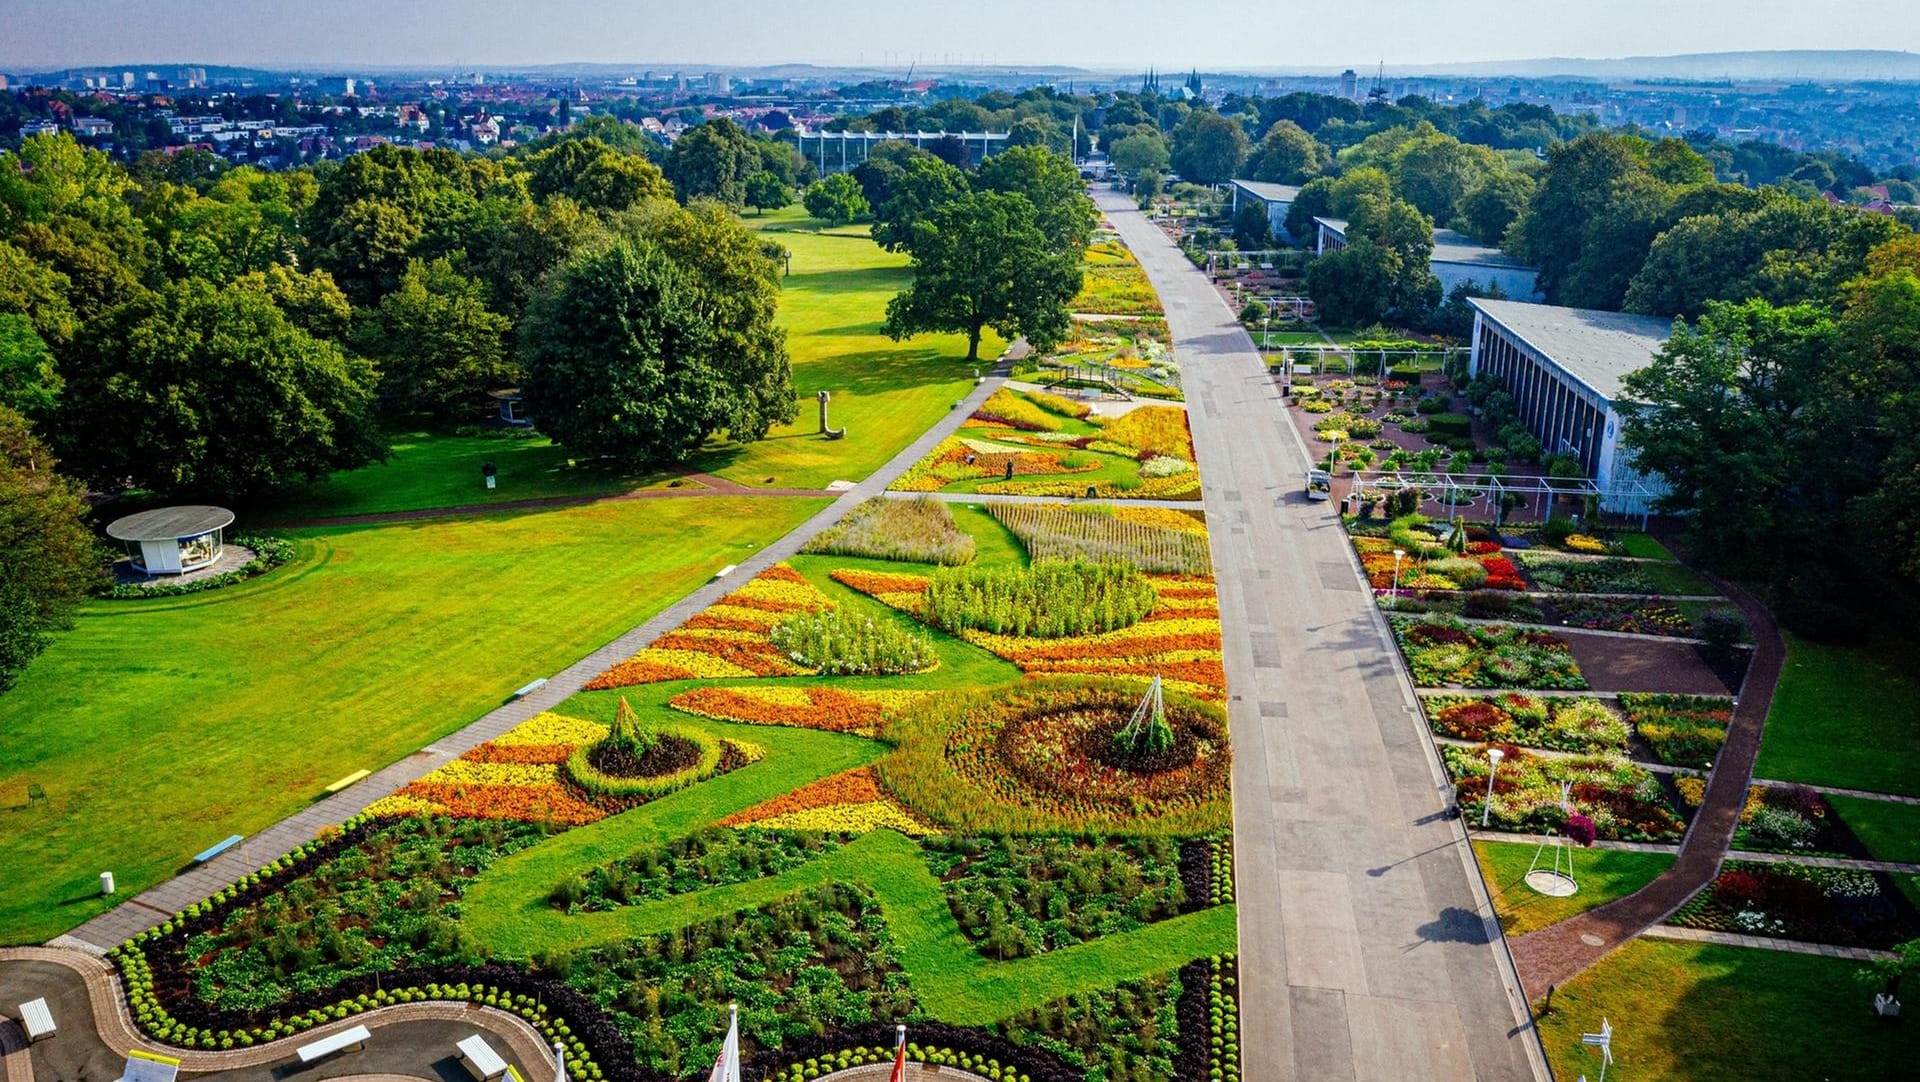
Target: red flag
x: 900, y: 1058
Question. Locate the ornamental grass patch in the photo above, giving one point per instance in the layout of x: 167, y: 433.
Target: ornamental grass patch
x: 1169, y: 541
x: 731, y: 638
x: 914, y: 531
x: 1046, y: 600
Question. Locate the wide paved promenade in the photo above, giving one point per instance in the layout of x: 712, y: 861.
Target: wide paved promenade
x: 1367, y: 951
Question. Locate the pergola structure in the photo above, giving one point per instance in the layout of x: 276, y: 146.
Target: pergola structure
x: 1266, y: 259
x: 1460, y: 490
x: 1452, y: 358
x: 173, y: 540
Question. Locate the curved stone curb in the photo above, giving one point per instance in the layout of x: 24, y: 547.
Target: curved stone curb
x: 118, y: 1032
x: 878, y: 1072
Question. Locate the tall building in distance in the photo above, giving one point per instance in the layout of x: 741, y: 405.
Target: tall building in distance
x: 1349, y: 84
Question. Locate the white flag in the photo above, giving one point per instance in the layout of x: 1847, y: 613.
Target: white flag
x: 727, y: 1067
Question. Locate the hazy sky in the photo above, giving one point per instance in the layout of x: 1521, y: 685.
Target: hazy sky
x: 1124, y: 34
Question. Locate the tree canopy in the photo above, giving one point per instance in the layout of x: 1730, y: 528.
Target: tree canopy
x: 48, y: 561
x: 982, y: 260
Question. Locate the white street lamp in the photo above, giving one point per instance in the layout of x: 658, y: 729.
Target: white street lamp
x: 1398, y: 555
x: 1494, y: 755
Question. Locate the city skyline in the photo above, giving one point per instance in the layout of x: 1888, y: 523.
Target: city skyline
x: 1110, y: 36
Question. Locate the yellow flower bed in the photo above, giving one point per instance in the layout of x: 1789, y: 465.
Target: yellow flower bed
x: 725, y: 634
x: 1165, y: 518
x: 1160, y: 429
x: 550, y: 728
x: 1580, y: 542
x: 851, y: 819
x: 795, y: 595
x: 402, y: 804
x: 465, y: 772
x: 1148, y: 629
x: 693, y: 663
x: 760, y: 618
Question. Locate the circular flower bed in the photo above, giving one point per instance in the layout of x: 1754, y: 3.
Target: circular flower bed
x: 677, y: 757
x: 1042, y: 755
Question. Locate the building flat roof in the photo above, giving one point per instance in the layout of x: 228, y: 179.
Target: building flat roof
x: 1338, y: 225
x: 1272, y: 193
x: 1452, y: 247
x: 170, y: 523
x: 1596, y: 348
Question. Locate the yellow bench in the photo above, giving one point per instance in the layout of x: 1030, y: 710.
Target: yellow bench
x: 348, y: 780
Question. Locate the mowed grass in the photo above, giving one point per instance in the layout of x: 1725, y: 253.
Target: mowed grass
x: 429, y: 470
x: 1603, y: 875
x: 885, y: 393
x: 1695, y: 1012
x: 1847, y: 715
x: 160, y: 727
x: 1890, y: 831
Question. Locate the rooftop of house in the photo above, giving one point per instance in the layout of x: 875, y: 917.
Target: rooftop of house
x: 1272, y: 193
x: 1596, y: 348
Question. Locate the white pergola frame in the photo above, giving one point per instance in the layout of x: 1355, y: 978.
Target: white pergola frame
x: 1256, y: 256
x: 1321, y: 351
x: 1627, y: 498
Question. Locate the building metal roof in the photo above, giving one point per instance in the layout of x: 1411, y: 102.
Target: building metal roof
x: 1337, y: 225
x: 1597, y: 349
x: 1272, y: 193
x: 1452, y: 247
x: 170, y: 523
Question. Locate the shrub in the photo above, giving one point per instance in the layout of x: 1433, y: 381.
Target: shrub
x: 1782, y: 828
x: 1450, y: 426
x: 1469, y: 573
x: 1048, y: 600
x: 915, y: 531
x: 839, y: 645
x: 1433, y: 404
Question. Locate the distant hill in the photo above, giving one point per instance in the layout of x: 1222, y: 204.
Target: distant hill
x: 1796, y: 65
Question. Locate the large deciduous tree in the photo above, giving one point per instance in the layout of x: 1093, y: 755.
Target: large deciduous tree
x: 1208, y: 148
x: 982, y: 260
x: 1052, y: 184
x: 835, y: 199
x: 625, y: 355
x: 713, y: 161
x: 1286, y: 154
x: 439, y: 347
x: 212, y: 392
x: 48, y: 561
x: 1141, y: 152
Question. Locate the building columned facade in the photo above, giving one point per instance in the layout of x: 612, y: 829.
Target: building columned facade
x: 1564, y: 368
x: 1277, y: 198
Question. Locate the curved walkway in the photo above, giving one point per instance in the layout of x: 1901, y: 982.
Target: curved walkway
x: 94, y: 981
x: 1553, y: 954
x: 152, y: 907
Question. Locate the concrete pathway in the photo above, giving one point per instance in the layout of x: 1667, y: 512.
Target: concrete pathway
x: 153, y: 906
x: 1367, y: 942
x: 1765, y: 943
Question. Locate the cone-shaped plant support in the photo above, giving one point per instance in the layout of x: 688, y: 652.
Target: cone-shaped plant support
x: 629, y: 732
x: 1147, y: 732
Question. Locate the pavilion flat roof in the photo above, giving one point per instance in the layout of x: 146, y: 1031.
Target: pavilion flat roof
x: 1272, y: 193
x: 1596, y: 348
x: 170, y: 523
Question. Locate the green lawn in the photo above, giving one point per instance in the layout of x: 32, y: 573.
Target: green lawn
x: 1644, y: 546
x: 434, y: 470
x: 885, y: 393
x: 1603, y: 875
x: 1847, y: 715
x: 1890, y: 831
x: 160, y: 727
x: 1693, y: 1012
x: 993, y: 544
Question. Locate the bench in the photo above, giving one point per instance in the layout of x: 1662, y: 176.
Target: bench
x: 480, y: 1060
x: 347, y: 1040
x: 36, y: 1019
x: 149, y: 1067
x: 725, y: 571
x: 348, y: 780
x: 216, y: 849
x: 528, y: 689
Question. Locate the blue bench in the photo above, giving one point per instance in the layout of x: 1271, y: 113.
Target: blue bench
x: 530, y: 688
x: 216, y: 849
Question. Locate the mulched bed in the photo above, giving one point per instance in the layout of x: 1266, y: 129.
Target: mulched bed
x: 1611, y: 663
x: 669, y: 754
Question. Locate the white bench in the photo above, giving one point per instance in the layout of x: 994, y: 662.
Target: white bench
x: 346, y: 1040
x: 36, y: 1019
x: 480, y: 1060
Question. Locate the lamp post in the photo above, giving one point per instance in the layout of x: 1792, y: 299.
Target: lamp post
x: 1494, y: 755
x: 1398, y: 555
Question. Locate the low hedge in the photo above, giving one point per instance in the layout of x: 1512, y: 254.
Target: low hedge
x: 1450, y: 424
x: 596, y: 784
x: 269, y: 552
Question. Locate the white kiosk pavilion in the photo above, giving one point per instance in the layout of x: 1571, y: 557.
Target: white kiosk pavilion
x: 172, y: 540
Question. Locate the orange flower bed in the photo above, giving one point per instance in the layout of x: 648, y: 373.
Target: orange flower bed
x: 491, y: 752
x: 728, y: 640
x: 856, y: 786
x: 877, y: 582
x: 833, y: 711
x: 533, y: 804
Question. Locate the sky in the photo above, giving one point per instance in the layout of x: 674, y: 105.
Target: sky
x: 1121, y: 35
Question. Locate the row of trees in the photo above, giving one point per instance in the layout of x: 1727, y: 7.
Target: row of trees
x: 1791, y: 436
x: 214, y: 333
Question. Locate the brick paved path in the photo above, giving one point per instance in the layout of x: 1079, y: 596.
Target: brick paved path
x: 116, y: 1029
x: 152, y: 907
x: 1555, y: 953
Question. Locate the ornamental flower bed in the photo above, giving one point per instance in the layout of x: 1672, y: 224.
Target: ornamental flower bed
x: 1778, y: 819
x: 1442, y: 572
x: 1841, y: 906
x: 1603, y: 576
x: 729, y: 640
x: 1020, y: 896
x: 1443, y: 652
x: 960, y: 459
x: 851, y: 802
x: 1683, y: 730
x: 1583, y: 725
x: 825, y: 708
x: 1624, y: 800
x: 1621, y: 614
x: 1178, y: 641
x: 1153, y: 539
